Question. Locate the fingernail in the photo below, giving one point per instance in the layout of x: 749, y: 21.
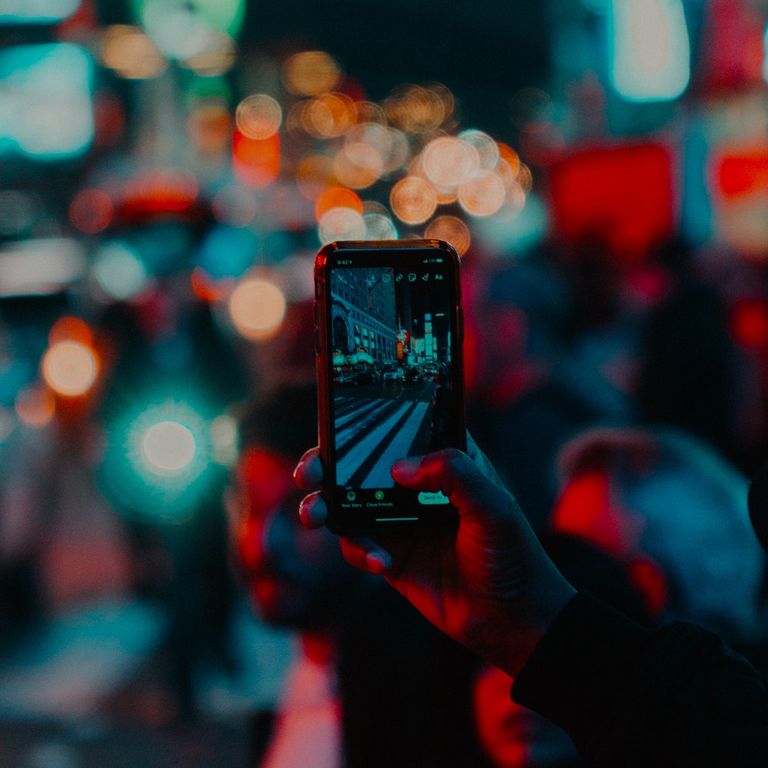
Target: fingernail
x: 378, y: 562
x: 303, y: 511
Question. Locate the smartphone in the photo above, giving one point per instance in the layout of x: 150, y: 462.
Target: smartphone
x: 388, y: 343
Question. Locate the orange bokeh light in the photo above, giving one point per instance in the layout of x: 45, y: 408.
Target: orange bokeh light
x: 482, y: 195
x: 70, y: 368
x: 35, y: 406
x: 328, y: 115
x: 258, y: 116
x: 131, y: 53
x: 525, y: 178
x: 415, y: 109
x: 337, y: 197
x: 413, y: 200
x: 310, y: 73
x: 358, y: 165
x: 510, y: 157
x: 257, y: 309
x: 341, y: 224
x: 448, y: 162
x: 256, y: 162
x: 70, y: 328
x: 451, y: 229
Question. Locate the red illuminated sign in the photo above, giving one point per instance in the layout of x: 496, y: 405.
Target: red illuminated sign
x: 623, y: 197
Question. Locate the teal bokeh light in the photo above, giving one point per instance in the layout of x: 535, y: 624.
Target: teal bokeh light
x: 650, y: 50
x: 159, y: 463
x: 37, y: 12
x: 46, y: 109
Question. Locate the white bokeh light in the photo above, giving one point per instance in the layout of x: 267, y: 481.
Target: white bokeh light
x: 168, y: 447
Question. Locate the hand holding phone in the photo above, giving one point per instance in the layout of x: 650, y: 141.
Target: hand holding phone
x: 388, y: 337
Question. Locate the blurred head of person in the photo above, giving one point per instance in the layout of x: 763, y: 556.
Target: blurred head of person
x: 675, y: 514
x: 296, y: 578
x: 516, y: 737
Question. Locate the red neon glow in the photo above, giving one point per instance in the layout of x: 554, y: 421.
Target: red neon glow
x: 267, y: 479
x: 157, y: 193
x: 256, y: 162
x: 749, y: 323
x: 621, y: 196
x: 585, y: 510
x: 733, y: 41
x: 742, y: 173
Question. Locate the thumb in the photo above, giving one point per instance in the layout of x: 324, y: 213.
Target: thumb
x: 459, y: 478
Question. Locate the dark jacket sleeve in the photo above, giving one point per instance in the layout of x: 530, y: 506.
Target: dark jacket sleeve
x: 629, y: 696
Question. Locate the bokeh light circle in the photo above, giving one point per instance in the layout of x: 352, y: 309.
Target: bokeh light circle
x: 413, y: 200
x: 168, y: 447
x: 328, y: 115
x: 337, y: 197
x: 358, y: 165
x: 91, y: 211
x: 310, y: 73
x: 451, y: 229
x: 487, y: 149
x: 341, y: 224
x: 119, y: 271
x: 482, y: 195
x: 70, y: 368
x: 257, y: 308
x: 258, y: 116
x: 35, y: 406
x: 378, y: 226
x: 448, y: 162
x: 131, y: 53
x: 416, y: 109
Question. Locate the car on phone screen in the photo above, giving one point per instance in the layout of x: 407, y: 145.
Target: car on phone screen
x: 393, y: 374
x: 367, y: 378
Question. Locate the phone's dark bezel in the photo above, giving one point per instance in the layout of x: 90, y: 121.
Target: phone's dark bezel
x: 381, y: 254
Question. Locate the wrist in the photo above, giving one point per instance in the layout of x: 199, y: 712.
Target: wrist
x: 512, y: 636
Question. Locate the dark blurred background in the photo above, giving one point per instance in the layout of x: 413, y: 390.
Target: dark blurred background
x: 168, y: 170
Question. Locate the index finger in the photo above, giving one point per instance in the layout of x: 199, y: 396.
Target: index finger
x: 308, y: 474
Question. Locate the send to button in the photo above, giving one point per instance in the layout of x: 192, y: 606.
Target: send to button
x: 429, y: 497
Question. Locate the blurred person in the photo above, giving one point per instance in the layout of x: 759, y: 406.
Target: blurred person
x: 373, y: 684
x: 676, y: 514
x: 689, y: 365
x: 526, y: 399
x: 625, y: 694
